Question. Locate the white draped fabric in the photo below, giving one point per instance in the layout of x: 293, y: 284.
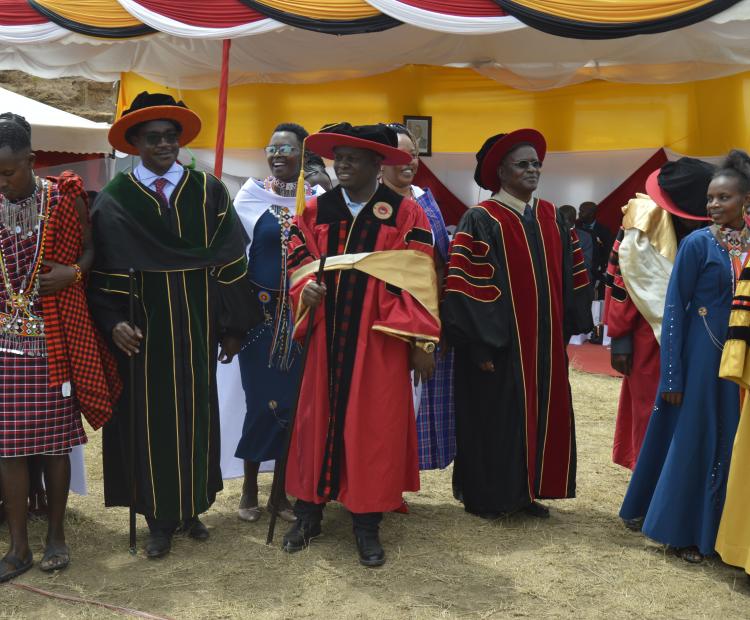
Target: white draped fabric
x: 182, y: 29
x: 31, y: 33
x: 442, y: 22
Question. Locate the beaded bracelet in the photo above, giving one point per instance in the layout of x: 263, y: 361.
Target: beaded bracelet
x: 79, y: 273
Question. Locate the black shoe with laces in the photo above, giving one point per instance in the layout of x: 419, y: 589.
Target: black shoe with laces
x: 158, y: 544
x: 370, y: 550
x: 298, y: 536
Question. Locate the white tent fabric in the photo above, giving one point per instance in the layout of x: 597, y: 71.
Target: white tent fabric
x: 442, y: 22
x: 56, y: 130
x: 32, y: 33
x: 520, y: 58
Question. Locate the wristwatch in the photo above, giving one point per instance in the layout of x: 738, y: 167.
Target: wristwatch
x: 425, y: 345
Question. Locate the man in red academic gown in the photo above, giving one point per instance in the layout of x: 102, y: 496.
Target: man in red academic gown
x: 516, y: 289
x: 376, y: 317
x: 639, y: 268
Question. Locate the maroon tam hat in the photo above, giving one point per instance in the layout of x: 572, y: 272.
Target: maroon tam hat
x: 378, y: 138
x: 497, y: 147
x: 680, y: 187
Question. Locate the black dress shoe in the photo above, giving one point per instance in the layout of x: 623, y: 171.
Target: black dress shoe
x: 194, y: 528
x: 298, y: 536
x: 535, y: 509
x: 158, y: 544
x: 370, y: 550
x: 634, y: 525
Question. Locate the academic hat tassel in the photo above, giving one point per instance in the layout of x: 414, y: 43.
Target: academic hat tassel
x: 300, y: 194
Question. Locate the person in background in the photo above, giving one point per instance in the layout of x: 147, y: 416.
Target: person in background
x: 679, y: 483
x: 53, y: 367
x: 269, y: 362
x: 584, y: 237
x: 177, y: 230
x: 602, y: 239
x: 436, y: 426
x: 653, y: 226
x: 516, y: 290
x: 316, y: 173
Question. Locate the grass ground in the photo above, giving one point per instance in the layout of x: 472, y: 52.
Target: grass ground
x: 442, y: 562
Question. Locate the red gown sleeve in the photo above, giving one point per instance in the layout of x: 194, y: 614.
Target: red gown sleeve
x: 620, y: 313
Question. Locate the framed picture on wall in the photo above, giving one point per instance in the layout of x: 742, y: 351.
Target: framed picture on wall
x: 421, y: 128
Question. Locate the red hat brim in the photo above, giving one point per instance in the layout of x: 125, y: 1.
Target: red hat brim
x: 501, y: 148
x: 324, y: 143
x: 188, y: 120
x: 660, y: 197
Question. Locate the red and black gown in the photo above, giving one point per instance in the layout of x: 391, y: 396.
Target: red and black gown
x: 516, y: 289
x: 355, y: 436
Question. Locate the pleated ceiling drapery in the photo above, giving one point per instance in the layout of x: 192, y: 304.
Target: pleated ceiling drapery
x: 95, y: 18
x: 607, y: 19
x: 20, y: 24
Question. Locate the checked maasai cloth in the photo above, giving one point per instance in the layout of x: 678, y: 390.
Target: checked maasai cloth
x: 436, y: 419
x: 76, y: 351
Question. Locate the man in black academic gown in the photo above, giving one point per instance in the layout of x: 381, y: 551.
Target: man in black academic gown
x: 516, y: 289
x: 177, y: 229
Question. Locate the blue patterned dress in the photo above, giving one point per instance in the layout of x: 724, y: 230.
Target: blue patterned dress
x: 679, y: 482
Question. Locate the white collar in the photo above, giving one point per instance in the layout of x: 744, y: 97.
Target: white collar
x: 508, y: 199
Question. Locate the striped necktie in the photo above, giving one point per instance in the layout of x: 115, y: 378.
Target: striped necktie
x: 159, y: 186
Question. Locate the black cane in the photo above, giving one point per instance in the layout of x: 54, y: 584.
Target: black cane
x: 279, y: 473
x: 131, y: 372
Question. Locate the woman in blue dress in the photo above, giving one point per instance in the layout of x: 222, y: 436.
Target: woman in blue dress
x: 269, y: 362
x: 678, y: 486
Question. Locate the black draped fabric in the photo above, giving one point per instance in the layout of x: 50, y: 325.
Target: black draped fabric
x: 511, y: 298
x: 376, y: 23
x: 581, y: 29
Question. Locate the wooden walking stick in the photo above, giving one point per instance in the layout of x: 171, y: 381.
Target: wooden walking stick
x: 279, y: 473
x: 131, y: 372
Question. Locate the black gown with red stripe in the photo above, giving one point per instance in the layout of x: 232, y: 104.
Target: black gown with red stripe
x: 515, y: 291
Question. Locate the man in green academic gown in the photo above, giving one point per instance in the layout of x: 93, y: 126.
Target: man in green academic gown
x: 177, y: 229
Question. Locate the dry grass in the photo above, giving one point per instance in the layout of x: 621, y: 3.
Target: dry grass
x: 442, y: 562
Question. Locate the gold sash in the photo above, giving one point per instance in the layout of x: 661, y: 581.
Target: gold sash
x: 410, y: 270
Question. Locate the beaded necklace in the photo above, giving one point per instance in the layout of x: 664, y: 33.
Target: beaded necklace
x: 22, y: 330
x: 736, y: 243
x: 280, y: 355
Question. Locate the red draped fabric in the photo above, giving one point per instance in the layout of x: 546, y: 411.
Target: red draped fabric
x: 609, y: 211
x: 465, y: 8
x: 450, y: 206
x: 213, y: 14
x: 19, y: 13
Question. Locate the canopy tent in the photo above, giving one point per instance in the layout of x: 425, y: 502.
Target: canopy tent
x: 63, y: 141
x: 469, y: 65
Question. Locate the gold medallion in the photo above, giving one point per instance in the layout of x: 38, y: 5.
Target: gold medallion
x: 382, y: 210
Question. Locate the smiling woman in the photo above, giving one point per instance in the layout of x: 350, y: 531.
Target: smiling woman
x: 269, y: 365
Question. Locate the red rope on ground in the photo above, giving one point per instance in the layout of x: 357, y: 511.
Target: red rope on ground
x: 75, y: 599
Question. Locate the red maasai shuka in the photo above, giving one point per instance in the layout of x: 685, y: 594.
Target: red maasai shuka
x: 76, y: 351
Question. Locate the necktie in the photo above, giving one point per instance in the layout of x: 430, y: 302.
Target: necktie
x: 159, y: 186
x: 528, y: 214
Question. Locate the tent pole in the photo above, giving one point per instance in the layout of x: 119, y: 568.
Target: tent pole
x: 222, y: 117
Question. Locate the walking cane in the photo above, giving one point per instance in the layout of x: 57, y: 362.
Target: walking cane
x: 279, y: 473
x: 131, y: 372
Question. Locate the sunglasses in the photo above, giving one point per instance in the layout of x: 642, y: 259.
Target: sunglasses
x: 280, y: 149
x: 525, y: 164
x: 155, y: 139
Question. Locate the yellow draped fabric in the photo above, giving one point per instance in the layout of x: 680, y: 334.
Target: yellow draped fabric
x: 330, y: 9
x: 733, y: 539
x: 697, y: 118
x: 612, y: 11
x: 99, y: 13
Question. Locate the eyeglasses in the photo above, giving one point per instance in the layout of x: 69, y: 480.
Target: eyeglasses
x: 280, y: 149
x: 155, y: 139
x: 525, y: 164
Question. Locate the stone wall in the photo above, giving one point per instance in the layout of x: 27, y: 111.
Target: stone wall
x: 93, y: 100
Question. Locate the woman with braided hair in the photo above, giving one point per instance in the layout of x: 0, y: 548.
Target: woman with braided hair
x: 52, y: 367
